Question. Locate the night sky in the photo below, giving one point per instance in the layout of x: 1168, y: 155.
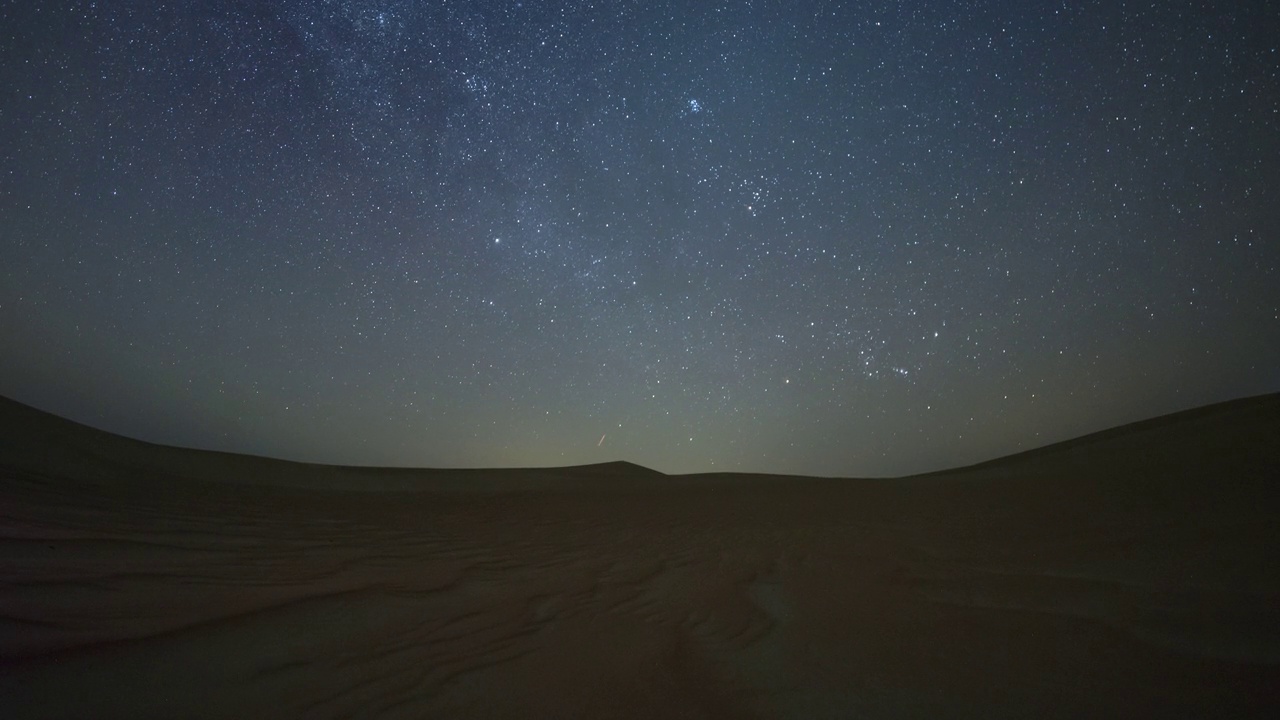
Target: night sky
x: 834, y: 238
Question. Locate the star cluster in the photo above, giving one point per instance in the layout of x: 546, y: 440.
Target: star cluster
x: 759, y: 235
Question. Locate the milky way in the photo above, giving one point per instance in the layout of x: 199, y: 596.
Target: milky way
x: 808, y: 237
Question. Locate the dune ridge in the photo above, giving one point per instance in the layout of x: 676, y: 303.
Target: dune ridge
x: 1127, y: 573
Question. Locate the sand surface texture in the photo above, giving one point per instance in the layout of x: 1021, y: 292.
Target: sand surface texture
x: 1132, y: 573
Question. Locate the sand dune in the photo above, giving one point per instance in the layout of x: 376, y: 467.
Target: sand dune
x: 1129, y: 573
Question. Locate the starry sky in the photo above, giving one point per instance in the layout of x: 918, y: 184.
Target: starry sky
x: 799, y: 236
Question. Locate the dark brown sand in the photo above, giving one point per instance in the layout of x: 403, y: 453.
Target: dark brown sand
x: 1133, y: 573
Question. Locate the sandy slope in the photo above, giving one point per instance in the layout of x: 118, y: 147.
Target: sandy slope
x: 1130, y: 573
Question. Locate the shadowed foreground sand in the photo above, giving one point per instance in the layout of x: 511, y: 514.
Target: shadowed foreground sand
x: 1130, y: 573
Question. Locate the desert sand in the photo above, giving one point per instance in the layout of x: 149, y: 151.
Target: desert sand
x: 1131, y: 573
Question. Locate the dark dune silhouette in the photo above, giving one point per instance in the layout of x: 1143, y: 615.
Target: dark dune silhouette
x: 1129, y: 573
